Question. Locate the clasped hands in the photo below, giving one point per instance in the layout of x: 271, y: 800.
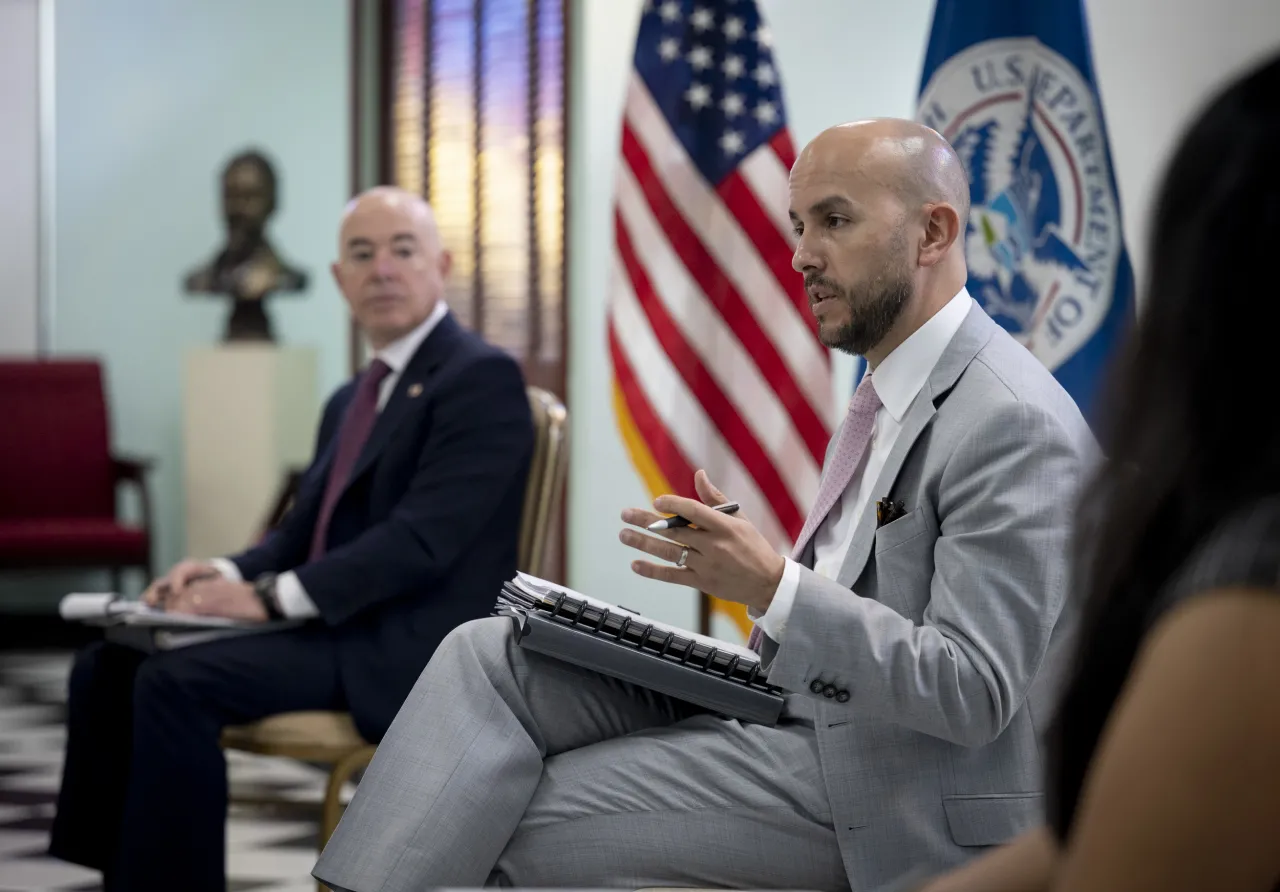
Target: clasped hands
x: 198, y: 588
x: 728, y: 557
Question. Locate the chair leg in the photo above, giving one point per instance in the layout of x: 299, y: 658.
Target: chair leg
x: 342, y: 772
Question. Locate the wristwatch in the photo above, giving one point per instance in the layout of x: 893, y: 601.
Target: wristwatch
x: 265, y: 588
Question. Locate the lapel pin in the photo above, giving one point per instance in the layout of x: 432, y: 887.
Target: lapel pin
x: 415, y: 390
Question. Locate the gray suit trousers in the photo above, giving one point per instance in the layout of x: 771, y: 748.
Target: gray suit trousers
x: 507, y: 767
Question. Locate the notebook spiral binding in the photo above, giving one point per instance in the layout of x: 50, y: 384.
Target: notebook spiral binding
x: 627, y: 630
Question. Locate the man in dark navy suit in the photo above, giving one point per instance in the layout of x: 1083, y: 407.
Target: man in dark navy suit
x: 404, y: 527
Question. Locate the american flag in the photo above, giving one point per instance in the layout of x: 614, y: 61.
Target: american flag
x: 716, y: 359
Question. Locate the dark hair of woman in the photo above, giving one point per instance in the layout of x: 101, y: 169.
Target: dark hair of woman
x: 1191, y: 428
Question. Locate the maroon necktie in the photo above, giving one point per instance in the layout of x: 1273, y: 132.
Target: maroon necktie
x: 356, y: 425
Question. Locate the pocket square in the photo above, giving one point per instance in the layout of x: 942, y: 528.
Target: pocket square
x: 888, y: 510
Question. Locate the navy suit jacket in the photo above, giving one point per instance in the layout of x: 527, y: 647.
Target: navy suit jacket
x: 426, y: 530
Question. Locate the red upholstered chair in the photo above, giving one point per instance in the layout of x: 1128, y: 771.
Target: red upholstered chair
x: 58, y: 477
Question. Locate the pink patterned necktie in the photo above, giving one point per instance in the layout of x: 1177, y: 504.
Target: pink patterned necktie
x: 357, y: 423
x: 855, y: 437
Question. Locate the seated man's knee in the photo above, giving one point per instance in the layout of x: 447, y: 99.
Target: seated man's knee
x: 101, y: 669
x: 85, y: 669
x: 162, y: 679
x: 485, y: 641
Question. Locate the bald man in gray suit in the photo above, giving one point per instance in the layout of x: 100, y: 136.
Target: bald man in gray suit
x: 916, y: 626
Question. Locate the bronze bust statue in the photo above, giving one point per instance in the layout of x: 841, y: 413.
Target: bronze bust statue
x: 247, y: 267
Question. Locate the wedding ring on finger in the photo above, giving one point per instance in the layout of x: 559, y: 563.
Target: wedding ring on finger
x: 684, y: 556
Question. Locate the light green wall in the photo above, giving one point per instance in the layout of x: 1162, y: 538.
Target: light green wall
x: 152, y: 97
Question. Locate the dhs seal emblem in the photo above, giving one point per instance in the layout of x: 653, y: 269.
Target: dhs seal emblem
x: 1043, y: 239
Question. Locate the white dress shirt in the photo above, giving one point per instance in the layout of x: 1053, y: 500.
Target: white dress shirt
x: 899, y: 378
x: 295, y: 603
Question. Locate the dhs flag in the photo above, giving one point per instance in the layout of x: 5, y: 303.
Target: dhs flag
x: 1010, y: 84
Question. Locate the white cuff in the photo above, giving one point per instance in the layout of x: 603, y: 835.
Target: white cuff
x: 295, y: 603
x: 774, y: 621
x: 227, y: 568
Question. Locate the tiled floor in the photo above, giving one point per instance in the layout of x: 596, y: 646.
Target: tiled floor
x: 269, y: 847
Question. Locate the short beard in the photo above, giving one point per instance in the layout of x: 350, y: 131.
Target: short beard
x: 874, y: 307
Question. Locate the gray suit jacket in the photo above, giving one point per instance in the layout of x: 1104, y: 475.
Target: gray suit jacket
x: 932, y: 681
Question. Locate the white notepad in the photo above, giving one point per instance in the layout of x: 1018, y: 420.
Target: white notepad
x: 138, y: 625
x: 107, y: 608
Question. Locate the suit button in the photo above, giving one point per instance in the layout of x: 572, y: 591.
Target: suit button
x: 829, y: 691
x: 817, y: 686
x: 842, y: 696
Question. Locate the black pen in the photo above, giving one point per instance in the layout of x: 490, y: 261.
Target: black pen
x: 670, y: 523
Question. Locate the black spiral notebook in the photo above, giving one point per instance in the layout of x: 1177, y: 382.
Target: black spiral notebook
x: 717, y: 675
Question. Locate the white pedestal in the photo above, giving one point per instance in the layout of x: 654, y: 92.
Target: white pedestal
x: 249, y: 414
